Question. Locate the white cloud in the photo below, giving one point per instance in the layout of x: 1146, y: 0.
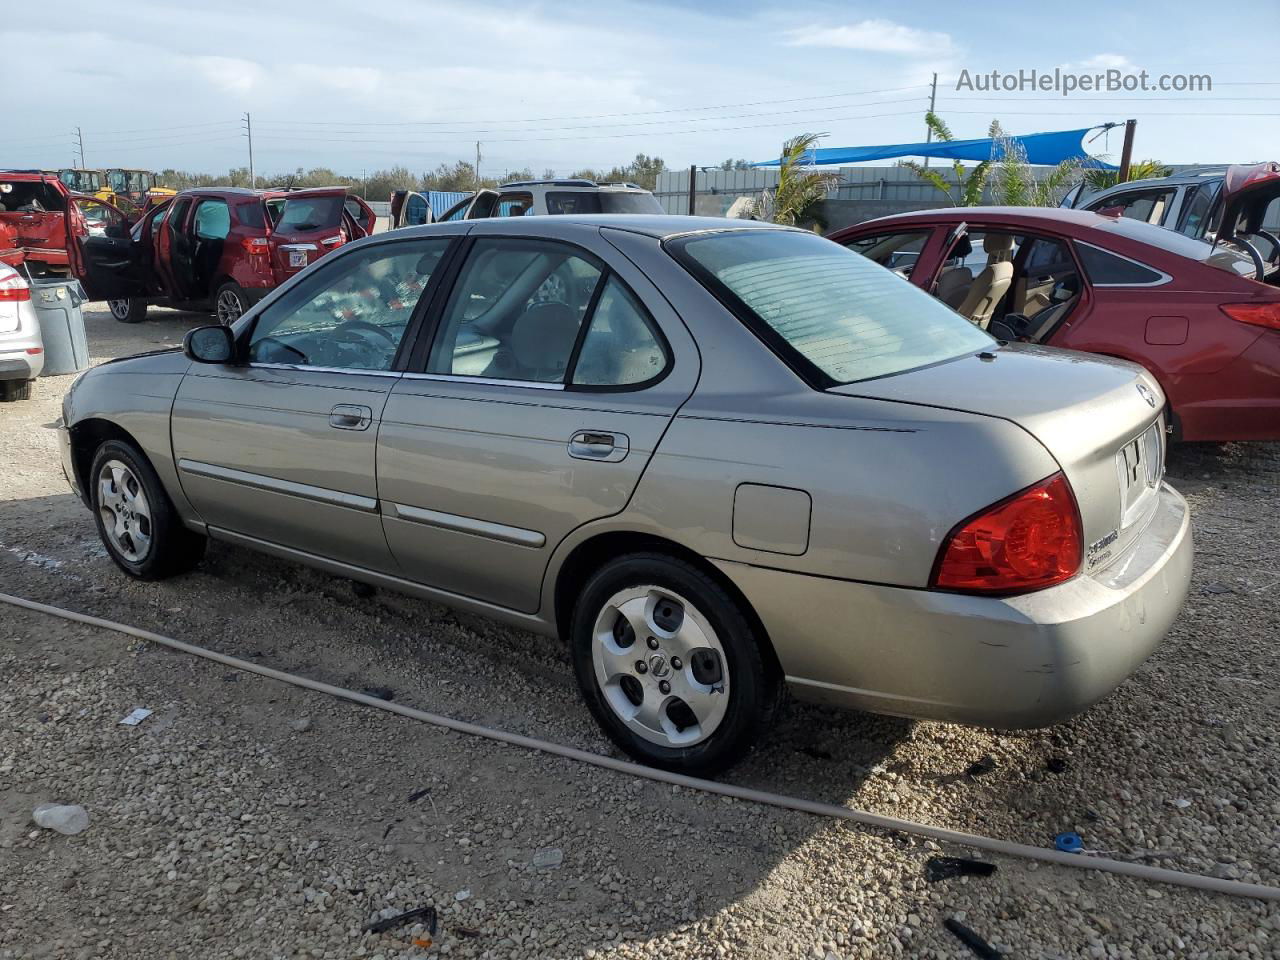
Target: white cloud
x: 874, y: 36
x: 1104, y: 61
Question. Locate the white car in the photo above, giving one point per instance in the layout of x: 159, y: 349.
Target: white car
x: 21, y: 349
x: 523, y: 198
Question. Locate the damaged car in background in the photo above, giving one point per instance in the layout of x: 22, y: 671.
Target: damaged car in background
x: 718, y: 461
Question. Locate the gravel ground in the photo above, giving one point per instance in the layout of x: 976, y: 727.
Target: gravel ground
x: 246, y: 818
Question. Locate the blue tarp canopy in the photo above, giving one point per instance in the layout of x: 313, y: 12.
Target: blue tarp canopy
x: 1048, y: 149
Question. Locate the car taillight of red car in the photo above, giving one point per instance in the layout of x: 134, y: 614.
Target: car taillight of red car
x: 1026, y: 542
x: 1256, y: 314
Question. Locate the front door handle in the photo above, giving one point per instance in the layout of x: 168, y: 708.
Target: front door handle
x: 350, y: 416
x: 599, y: 445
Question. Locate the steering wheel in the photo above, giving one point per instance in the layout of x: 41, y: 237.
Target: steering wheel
x: 354, y: 325
x: 1259, y: 265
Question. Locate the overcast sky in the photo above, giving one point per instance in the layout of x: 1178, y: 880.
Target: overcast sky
x: 364, y: 85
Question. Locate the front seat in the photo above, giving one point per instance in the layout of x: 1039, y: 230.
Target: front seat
x: 990, y: 286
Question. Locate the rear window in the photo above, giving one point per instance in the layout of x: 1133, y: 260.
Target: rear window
x: 29, y: 196
x: 824, y: 308
x: 602, y: 201
x: 310, y: 213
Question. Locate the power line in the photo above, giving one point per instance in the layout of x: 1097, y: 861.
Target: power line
x: 600, y: 116
x: 1205, y: 100
x: 601, y: 136
x: 1091, y: 113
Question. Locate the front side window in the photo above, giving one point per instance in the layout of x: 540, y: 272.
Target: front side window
x: 353, y: 313
x: 178, y: 213
x: 1196, y: 207
x: 515, y: 311
x: 835, y: 315
x: 897, y: 251
x: 515, y: 205
x: 213, y: 220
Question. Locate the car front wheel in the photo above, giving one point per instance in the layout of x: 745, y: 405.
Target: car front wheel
x: 671, y: 666
x: 135, y: 517
x: 128, y: 311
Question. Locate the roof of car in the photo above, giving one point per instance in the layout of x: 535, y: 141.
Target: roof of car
x: 1045, y: 216
x: 653, y: 225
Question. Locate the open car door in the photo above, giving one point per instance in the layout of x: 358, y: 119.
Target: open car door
x: 100, y: 250
x: 411, y: 209
x: 475, y: 207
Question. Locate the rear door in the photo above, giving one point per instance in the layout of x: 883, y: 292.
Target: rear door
x: 101, y: 252
x: 552, y: 375
x: 35, y: 208
x: 172, y: 246
x: 309, y: 225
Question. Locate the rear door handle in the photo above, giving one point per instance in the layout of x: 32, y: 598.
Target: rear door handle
x: 599, y: 445
x: 350, y: 416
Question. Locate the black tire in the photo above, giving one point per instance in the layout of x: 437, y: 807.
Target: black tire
x: 128, y: 311
x: 11, y: 390
x: 755, y: 685
x: 229, y: 303
x: 173, y: 547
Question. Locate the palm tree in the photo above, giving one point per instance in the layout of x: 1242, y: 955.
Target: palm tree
x: 969, y: 182
x: 1143, y: 170
x: 800, y: 185
x: 1013, y: 182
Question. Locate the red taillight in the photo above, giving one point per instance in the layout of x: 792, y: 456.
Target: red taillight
x: 14, y: 288
x: 255, y: 244
x: 1257, y: 314
x: 1027, y: 542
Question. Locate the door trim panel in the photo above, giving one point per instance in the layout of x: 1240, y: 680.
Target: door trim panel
x: 256, y: 480
x: 480, y: 528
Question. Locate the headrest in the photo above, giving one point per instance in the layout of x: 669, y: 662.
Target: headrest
x: 997, y: 243
x: 962, y: 248
x: 542, y: 338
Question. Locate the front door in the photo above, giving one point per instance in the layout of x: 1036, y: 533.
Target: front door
x: 545, y: 390
x: 279, y: 449
x: 101, y: 252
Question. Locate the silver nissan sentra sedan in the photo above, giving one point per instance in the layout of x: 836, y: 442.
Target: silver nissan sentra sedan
x: 720, y: 459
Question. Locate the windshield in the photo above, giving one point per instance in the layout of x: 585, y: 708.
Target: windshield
x: 827, y: 308
x: 602, y: 201
x: 310, y: 213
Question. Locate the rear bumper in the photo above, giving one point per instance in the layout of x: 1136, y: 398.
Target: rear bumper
x: 1011, y: 662
x: 21, y: 365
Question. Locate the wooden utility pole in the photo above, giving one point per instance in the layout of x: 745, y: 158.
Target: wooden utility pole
x: 1126, y: 152
x: 933, y: 102
x: 248, y: 132
x: 693, y: 177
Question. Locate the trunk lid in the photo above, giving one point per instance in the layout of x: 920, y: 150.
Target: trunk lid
x: 306, y: 225
x: 1101, y: 420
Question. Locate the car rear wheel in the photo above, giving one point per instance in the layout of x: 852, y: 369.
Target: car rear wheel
x: 128, y: 311
x: 11, y: 390
x: 135, y: 517
x: 230, y: 303
x: 671, y: 666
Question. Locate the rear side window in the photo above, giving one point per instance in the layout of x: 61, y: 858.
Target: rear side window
x: 251, y: 215
x: 620, y: 348
x: 515, y: 205
x: 1109, y: 270
x: 602, y: 201
x: 835, y: 315
x: 213, y: 220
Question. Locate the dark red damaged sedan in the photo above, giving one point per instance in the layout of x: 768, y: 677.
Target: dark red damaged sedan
x: 1203, y: 318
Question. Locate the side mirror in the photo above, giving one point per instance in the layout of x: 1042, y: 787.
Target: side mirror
x: 212, y: 344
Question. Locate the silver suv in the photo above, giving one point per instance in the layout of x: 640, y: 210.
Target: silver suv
x: 21, y: 349
x: 523, y: 198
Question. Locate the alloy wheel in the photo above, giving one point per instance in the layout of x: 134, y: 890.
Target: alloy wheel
x: 119, y: 308
x: 229, y: 307
x: 660, y: 666
x: 125, y: 512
